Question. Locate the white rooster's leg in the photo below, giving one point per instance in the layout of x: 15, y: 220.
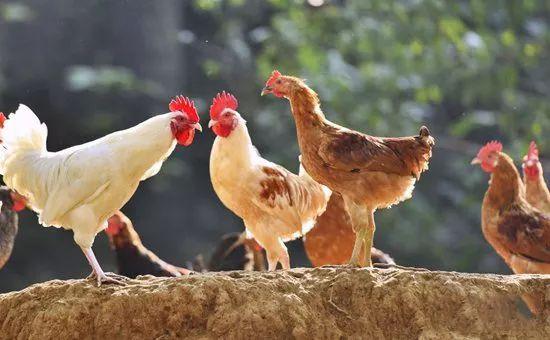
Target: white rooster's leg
x: 96, y: 269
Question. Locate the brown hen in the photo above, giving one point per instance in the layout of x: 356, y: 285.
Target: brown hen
x: 537, y: 193
x: 369, y: 172
x: 518, y: 232
x: 133, y: 258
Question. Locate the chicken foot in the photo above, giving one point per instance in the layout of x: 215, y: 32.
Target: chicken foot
x: 97, y: 272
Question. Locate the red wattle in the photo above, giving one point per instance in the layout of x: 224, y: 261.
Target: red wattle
x: 185, y: 137
x: 532, y: 172
x: 222, y: 130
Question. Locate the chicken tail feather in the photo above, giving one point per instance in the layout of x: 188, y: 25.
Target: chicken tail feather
x: 22, y: 131
x: 424, y: 133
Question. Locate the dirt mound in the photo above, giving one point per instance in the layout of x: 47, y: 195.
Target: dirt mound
x: 301, y: 303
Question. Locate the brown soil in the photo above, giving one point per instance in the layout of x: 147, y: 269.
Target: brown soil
x: 322, y: 303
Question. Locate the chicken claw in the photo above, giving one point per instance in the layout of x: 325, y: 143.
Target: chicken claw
x: 107, y: 278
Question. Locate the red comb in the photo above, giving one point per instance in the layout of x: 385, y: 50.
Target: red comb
x: 221, y: 102
x: 2, y: 119
x: 490, y: 147
x: 184, y: 104
x: 274, y: 75
x: 533, y: 153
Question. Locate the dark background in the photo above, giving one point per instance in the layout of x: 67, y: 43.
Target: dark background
x: 471, y: 70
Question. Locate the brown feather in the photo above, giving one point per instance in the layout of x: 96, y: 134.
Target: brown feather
x: 275, y: 184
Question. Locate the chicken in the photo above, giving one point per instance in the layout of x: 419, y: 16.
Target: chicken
x: 237, y: 251
x: 537, y: 193
x: 79, y: 188
x: 517, y: 231
x: 275, y: 204
x: 331, y: 240
x: 10, y: 204
x: 369, y: 172
x: 133, y: 258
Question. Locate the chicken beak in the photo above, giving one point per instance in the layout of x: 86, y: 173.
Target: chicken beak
x: 266, y: 90
x: 197, y: 126
x: 211, y: 123
x: 475, y: 161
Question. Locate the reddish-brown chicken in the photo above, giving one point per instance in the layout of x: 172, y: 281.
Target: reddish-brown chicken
x: 331, y: 240
x: 518, y: 232
x: 133, y: 258
x: 10, y: 204
x: 536, y: 190
x: 369, y: 172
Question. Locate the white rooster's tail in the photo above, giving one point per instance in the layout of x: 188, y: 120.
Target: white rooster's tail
x: 22, y: 131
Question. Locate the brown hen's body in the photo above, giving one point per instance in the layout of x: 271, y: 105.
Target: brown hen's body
x: 369, y: 172
x: 133, y: 258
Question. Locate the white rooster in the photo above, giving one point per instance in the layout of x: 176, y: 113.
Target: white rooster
x: 79, y: 188
x: 275, y: 204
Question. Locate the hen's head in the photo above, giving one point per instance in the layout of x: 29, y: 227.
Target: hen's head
x: 121, y: 231
x: 282, y: 86
x: 115, y: 225
x: 531, y: 164
x: 488, y: 156
x: 12, y: 200
x: 185, y: 123
x: 223, y: 117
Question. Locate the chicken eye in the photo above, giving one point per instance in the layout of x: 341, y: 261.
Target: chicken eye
x: 278, y: 81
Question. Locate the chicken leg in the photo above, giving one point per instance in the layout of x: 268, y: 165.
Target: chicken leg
x: 363, y: 224
x: 278, y: 253
x: 97, y: 272
x: 369, y: 238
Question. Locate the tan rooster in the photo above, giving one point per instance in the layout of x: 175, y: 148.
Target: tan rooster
x: 275, y: 204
